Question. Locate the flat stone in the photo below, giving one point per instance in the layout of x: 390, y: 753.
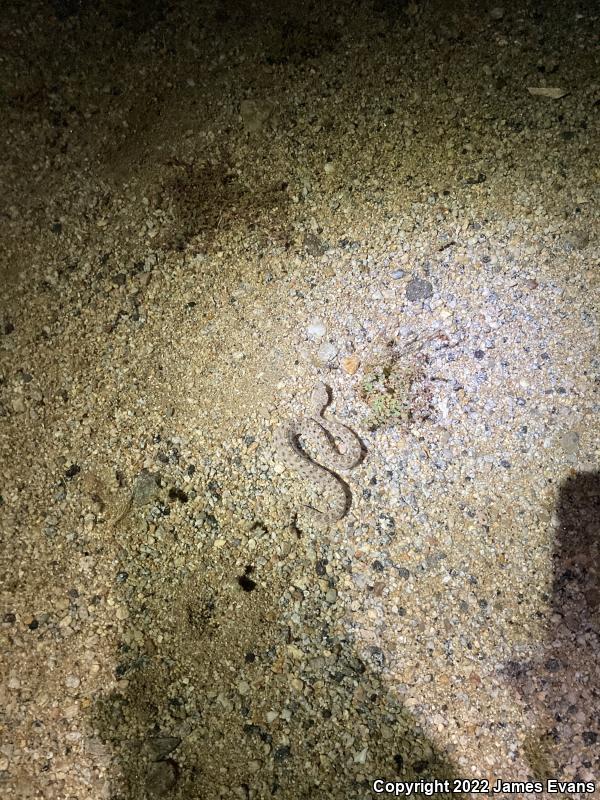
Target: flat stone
x: 418, y: 289
x: 161, y: 778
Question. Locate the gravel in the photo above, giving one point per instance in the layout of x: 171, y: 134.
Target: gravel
x: 206, y: 210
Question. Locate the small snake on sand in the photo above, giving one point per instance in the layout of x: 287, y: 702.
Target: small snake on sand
x: 320, y: 434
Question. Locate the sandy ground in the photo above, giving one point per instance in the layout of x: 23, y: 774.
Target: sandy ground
x: 206, y: 210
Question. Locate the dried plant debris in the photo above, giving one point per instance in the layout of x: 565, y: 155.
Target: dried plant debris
x: 396, y: 386
x: 395, y: 394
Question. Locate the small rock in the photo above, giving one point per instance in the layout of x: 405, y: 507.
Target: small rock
x: 326, y: 353
x: 497, y: 13
x: 418, y: 289
x: 282, y: 752
x: 18, y: 404
x: 316, y: 330
x: 350, y: 364
x: 569, y: 441
x: 161, y: 778
x: 331, y: 596
x: 159, y: 747
x: 553, y: 92
x: 145, y: 488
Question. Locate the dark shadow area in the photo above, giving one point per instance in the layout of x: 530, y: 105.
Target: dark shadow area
x: 213, y: 709
x: 562, y: 685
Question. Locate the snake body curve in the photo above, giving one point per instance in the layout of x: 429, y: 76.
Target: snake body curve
x: 322, y: 435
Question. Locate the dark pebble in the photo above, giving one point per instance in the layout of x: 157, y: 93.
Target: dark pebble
x: 161, y: 746
x: 73, y: 470
x: 281, y: 753
x: 377, y: 656
x: 479, y: 354
x: 161, y: 778
x: 418, y: 289
x: 9, y: 618
x: 514, y: 669
x: 589, y: 737
x: 403, y: 573
x: 377, y: 566
x: 552, y: 665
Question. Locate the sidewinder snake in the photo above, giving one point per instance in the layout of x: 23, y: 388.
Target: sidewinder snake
x: 320, y: 433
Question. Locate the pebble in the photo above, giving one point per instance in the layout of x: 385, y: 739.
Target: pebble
x: 316, y: 330
x: 350, y: 364
x: 327, y: 353
x: 18, y: 404
x: 146, y: 488
x: 569, y: 441
x: 161, y: 778
x: 161, y: 746
x: 418, y: 289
